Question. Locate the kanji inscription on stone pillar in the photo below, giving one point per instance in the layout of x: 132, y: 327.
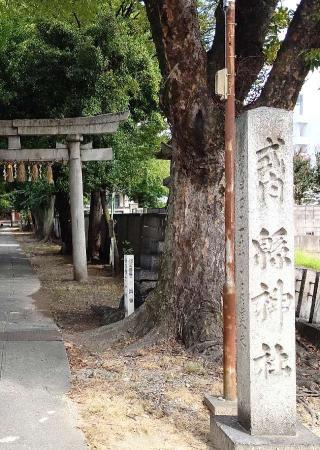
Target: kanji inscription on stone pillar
x: 265, y: 273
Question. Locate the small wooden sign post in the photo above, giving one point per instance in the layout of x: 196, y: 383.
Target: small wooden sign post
x: 129, y: 284
x: 73, y: 152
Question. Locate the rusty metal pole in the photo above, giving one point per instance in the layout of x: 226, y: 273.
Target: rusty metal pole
x: 229, y: 293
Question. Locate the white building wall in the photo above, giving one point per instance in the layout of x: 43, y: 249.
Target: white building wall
x: 307, y: 118
x: 301, y: 140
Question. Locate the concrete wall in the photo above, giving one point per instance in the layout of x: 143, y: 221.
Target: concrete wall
x: 307, y: 227
x: 307, y: 220
x: 144, y: 232
x: 308, y: 243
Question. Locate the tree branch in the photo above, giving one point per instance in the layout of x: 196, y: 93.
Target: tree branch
x: 77, y: 19
x: 176, y: 34
x: 290, y: 67
x: 154, y: 16
x: 253, y: 18
x: 216, y: 55
x: 126, y: 8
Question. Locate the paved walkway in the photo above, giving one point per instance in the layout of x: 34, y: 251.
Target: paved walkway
x: 34, y: 372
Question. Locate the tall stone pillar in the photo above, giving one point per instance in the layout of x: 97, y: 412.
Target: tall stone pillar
x: 77, y: 211
x: 265, y: 273
x: 266, y: 363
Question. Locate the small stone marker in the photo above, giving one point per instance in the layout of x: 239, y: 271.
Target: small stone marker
x: 266, y: 363
x: 129, y: 284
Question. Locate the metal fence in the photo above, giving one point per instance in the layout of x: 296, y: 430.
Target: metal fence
x: 307, y: 295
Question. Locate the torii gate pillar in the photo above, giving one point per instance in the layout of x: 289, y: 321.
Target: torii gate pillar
x: 77, y: 211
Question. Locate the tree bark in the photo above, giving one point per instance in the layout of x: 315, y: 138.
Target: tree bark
x: 94, y: 232
x: 252, y: 19
x: 63, y: 208
x: 111, y: 239
x: 192, y: 272
x: 43, y: 221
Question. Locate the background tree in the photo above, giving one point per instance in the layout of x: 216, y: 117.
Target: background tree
x: 38, y: 198
x: 53, y: 68
x: 303, y: 177
x: 5, y: 201
x: 316, y: 175
x: 78, y: 13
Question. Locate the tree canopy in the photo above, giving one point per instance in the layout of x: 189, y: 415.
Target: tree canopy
x: 53, y: 68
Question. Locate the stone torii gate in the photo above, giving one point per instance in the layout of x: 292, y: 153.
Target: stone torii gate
x: 73, y: 129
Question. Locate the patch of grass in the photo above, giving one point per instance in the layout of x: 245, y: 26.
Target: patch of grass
x: 306, y: 259
x: 195, y: 368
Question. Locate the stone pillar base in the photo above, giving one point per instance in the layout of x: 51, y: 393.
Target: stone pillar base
x: 218, y: 406
x: 227, y: 434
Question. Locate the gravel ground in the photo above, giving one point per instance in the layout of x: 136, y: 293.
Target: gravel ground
x: 146, y: 399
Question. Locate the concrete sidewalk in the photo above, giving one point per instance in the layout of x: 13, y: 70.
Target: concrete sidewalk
x: 34, y: 372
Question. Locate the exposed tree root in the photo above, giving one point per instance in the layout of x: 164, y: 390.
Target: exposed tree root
x: 142, y: 326
x: 143, y: 329
x: 209, y: 348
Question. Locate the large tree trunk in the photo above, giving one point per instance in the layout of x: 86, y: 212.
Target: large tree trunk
x: 62, y: 206
x: 111, y: 239
x: 190, y: 287
x: 43, y: 221
x: 64, y: 212
x: 192, y: 273
x: 94, y: 232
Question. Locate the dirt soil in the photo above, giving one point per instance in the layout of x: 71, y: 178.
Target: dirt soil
x: 146, y: 399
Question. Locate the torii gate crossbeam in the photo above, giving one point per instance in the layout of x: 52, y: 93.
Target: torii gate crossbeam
x: 74, y: 152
